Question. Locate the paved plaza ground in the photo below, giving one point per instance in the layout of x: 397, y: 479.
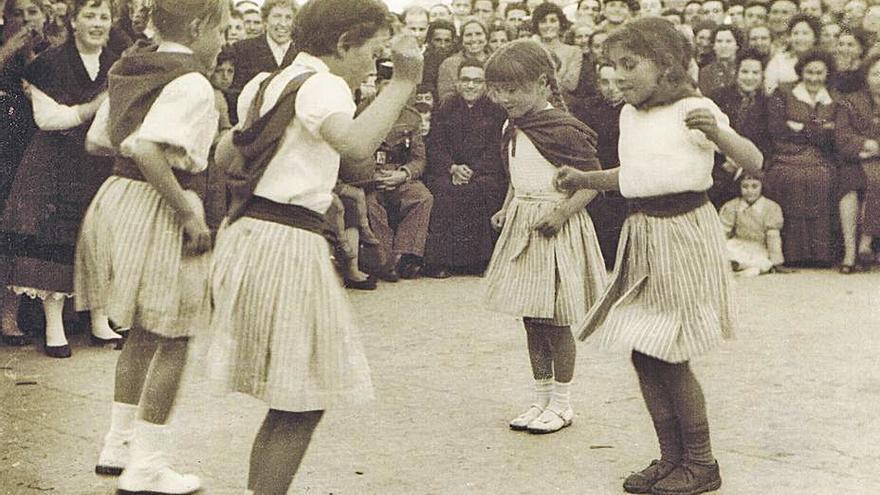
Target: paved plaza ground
x: 793, y: 404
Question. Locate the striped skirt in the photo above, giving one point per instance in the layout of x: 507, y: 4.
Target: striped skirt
x: 129, y: 261
x: 670, y: 296
x: 283, y: 330
x: 549, y: 278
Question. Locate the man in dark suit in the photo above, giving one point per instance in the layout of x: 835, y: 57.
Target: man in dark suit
x: 269, y: 52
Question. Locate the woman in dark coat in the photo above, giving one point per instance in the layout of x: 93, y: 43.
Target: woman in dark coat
x: 801, y: 176
x: 57, y: 179
x: 22, y: 39
x: 465, y: 175
x: 856, y: 138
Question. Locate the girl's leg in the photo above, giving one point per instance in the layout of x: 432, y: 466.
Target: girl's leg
x: 541, y: 359
x: 698, y: 471
x: 849, y: 209
x: 351, y: 237
x: 163, y: 381
x: 53, y: 309
x: 279, y: 448
x: 101, y: 325
x: 360, y: 199
x: 558, y: 413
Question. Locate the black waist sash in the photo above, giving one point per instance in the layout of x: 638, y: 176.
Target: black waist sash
x: 127, y: 168
x: 287, y: 214
x: 668, y: 205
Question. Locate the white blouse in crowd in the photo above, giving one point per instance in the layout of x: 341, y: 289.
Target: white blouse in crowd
x: 49, y: 115
x: 184, y: 118
x: 305, y: 167
x: 780, y: 70
x: 658, y: 153
x: 278, y: 50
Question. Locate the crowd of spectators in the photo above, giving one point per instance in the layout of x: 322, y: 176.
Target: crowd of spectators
x: 800, y: 79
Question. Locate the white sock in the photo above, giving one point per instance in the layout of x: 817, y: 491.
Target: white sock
x: 150, y: 440
x: 122, y: 418
x: 543, y: 391
x: 101, y: 326
x: 561, y: 399
x: 53, y: 309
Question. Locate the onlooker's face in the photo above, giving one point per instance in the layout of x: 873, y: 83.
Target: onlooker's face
x: 496, y: 39
x: 91, y: 26
x: 759, y: 39
x: 253, y: 24
x: 222, y: 76
x: 853, y: 12
x: 849, y: 51
x: 829, y: 35
x: 473, y: 39
x: 712, y: 10
x: 548, y: 27
x: 439, y: 12
x: 802, y: 38
x: 596, y: 44
x: 736, y: 14
x: 650, y: 8
x: 754, y: 15
x: 750, y: 189
x: 514, y: 18
x: 461, y: 8
x: 28, y: 14
x: 234, y: 30
x: 725, y: 45
x: 279, y: 24
x: 815, y: 75
x: 589, y: 9
x: 779, y: 14
x: 749, y: 76
x: 59, y: 9
x: 482, y: 10
x: 425, y: 99
x: 471, y: 83
x: 811, y: 7
x: 691, y: 13
x: 582, y: 36
x: 441, y: 39
x: 834, y: 6
x: 608, y: 85
x: 417, y: 25
x: 703, y: 40
x: 617, y: 12
x: 678, y: 5
x: 140, y: 14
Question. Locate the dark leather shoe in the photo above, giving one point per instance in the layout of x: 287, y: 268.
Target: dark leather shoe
x: 388, y: 275
x: 689, y: 479
x: 99, y: 342
x: 368, y: 284
x: 642, y: 481
x: 437, y: 272
x: 409, y: 267
x: 58, y: 351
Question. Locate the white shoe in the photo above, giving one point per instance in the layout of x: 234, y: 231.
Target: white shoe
x: 114, y: 455
x: 155, y: 477
x: 522, y: 421
x: 551, y: 421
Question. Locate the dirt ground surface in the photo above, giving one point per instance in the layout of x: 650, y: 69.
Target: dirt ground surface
x: 793, y: 404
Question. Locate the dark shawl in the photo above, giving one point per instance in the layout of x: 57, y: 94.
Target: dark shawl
x: 558, y: 136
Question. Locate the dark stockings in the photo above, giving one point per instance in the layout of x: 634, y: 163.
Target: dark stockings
x: 279, y: 448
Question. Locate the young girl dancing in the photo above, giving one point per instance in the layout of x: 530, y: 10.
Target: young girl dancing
x: 547, y: 267
x: 140, y: 255
x: 670, y: 295
x: 283, y: 322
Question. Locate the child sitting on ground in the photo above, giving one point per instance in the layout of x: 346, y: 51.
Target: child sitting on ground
x: 752, y: 224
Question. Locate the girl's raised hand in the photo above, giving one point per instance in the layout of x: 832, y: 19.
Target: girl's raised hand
x: 407, y: 59
x: 551, y: 223
x: 569, y: 179
x: 702, y: 119
x: 498, y: 219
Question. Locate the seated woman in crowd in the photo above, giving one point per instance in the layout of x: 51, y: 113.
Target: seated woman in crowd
x: 746, y: 106
x: 752, y: 224
x: 721, y: 72
x: 474, y: 45
x: 57, y: 179
x: 801, y: 175
x: 857, y: 139
x: 851, y: 46
x: 465, y: 175
x: 803, y: 35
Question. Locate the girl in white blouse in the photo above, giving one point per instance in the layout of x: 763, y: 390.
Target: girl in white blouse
x: 670, y: 295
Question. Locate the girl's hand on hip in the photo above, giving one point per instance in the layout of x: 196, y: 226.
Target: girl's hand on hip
x: 196, y: 235
x: 498, y: 219
x: 551, y: 223
x: 702, y: 119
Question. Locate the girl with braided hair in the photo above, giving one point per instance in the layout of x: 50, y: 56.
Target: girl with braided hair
x: 547, y: 267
